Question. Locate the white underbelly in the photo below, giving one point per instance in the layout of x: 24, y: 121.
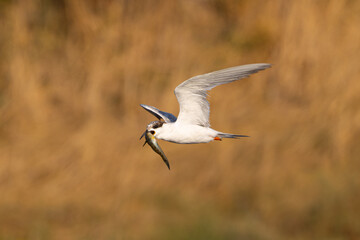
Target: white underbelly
x: 188, y: 134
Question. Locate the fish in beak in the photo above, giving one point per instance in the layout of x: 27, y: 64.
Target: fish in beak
x: 151, y: 140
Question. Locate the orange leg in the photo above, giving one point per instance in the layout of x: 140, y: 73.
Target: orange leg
x: 217, y: 138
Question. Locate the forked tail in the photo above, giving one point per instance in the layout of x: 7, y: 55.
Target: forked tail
x: 228, y: 135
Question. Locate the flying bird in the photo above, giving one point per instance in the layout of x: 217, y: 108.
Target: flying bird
x: 192, y: 125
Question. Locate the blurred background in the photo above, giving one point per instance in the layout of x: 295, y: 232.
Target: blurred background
x: 72, y: 76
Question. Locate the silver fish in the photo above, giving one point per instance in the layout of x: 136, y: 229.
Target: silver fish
x: 151, y: 140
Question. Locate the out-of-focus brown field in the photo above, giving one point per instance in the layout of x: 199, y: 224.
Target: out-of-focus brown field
x: 72, y: 76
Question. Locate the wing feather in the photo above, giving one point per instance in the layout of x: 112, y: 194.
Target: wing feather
x: 191, y: 94
x: 168, y: 117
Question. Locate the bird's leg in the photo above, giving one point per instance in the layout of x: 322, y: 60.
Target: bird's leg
x: 217, y: 138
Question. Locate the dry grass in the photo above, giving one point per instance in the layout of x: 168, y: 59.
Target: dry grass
x: 72, y: 76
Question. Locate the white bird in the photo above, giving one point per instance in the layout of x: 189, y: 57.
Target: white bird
x: 192, y: 125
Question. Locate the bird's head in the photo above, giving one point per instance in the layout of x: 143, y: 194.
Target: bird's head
x: 154, y: 127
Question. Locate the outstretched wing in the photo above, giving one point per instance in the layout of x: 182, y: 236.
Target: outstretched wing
x: 191, y: 94
x: 168, y: 117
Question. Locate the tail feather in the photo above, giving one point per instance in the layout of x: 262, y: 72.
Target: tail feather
x: 228, y: 135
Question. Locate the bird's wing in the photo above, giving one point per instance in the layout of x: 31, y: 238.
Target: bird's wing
x: 191, y: 94
x: 168, y: 117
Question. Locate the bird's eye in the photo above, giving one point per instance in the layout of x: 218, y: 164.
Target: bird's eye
x: 152, y: 132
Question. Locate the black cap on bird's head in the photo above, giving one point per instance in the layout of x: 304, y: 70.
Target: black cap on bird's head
x: 154, y: 125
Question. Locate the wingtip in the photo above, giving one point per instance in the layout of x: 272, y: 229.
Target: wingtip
x: 265, y: 65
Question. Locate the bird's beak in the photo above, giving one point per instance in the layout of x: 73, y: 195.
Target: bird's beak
x: 142, y: 135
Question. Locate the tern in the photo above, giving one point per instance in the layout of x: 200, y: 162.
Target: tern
x: 192, y: 124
